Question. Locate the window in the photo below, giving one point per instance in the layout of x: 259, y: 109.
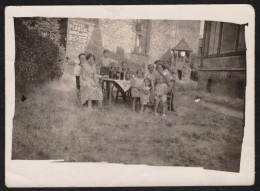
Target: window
x: 142, y: 37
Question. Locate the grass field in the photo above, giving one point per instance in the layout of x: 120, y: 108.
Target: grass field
x: 50, y: 124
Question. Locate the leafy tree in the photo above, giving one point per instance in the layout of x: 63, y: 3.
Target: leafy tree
x: 38, y: 57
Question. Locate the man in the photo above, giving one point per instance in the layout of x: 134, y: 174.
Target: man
x: 77, y: 72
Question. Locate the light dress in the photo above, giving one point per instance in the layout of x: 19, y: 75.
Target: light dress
x: 136, y: 84
x: 90, y: 89
x: 161, y: 92
x: 145, y: 95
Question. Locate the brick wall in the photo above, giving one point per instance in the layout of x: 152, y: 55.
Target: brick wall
x: 119, y: 36
x: 166, y: 34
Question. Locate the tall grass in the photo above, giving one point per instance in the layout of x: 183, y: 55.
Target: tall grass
x: 190, y: 88
x: 52, y: 124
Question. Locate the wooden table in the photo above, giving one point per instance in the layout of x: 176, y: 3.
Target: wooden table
x: 117, y: 84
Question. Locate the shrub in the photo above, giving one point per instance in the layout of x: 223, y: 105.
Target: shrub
x: 38, y: 59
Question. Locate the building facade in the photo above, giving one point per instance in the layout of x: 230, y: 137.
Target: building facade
x: 135, y: 41
x: 223, y: 59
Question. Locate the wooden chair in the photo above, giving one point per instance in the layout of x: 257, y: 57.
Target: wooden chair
x: 120, y: 95
x: 169, y: 101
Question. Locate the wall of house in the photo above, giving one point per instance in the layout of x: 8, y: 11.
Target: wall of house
x: 119, y: 36
x: 166, y: 34
x: 223, y: 64
x: 227, y: 62
x: 226, y: 83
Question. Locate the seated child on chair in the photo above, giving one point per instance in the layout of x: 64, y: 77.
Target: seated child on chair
x: 161, y: 90
x: 137, y: 85
x: 145, y: 94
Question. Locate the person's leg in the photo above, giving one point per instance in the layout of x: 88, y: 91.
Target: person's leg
x: 164, y: 108
x: 142, y: 108
x: 134, y: 102
x: 173, y: 103
x: 100, y: 105
x: 124, y: 96
x: 89, y: 104
x: 157, y: 101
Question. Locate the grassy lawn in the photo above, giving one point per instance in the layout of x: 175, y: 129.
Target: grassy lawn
x: 51, y: 125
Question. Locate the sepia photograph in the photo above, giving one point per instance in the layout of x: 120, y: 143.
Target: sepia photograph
x: 154, y: 92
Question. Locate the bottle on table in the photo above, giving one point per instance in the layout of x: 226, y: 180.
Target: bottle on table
x: 114, y: 73
x: 117, y: 73
x: 111, y: 72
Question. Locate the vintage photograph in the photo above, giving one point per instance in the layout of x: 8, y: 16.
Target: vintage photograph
x: 130, y: 91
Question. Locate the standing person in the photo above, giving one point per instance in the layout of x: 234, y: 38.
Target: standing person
x: 137, y: 85
x: 145, y: 94
x: 104, y: 63
x: 77, y: 73
x: 168, y: 80
x: 161, y: 90
x: 151, y: 75
x: 90, y: 88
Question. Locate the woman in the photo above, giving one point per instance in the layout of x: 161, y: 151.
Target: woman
x: 162, y: 71
x: 90, y: 88
x: 151, y: 74
x: 168, y: 80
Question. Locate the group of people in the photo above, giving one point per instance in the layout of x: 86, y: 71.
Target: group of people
x: 147, y: 88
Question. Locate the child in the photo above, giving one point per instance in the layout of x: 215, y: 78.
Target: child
x: 127, y: 76
x: 161, y: 90
x: 145, y: 94
x: 105, y: 63
x: 77, y: 73
x: 137, y: 85
x: 124, y: 71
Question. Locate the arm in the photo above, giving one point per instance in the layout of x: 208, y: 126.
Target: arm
x: 78, y: 82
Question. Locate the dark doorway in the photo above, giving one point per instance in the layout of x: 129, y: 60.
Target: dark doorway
x: 180, y: 74
x: 209, y: 85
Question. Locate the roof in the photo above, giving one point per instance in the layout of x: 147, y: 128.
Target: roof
x: 182, y: 45
x: 167, y: 55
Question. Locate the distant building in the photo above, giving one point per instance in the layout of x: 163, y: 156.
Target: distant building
x: 136, y: 41
x: 181, y: 60
x: 223, y: 59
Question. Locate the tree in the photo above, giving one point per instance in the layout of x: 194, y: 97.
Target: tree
x: 38, y: 57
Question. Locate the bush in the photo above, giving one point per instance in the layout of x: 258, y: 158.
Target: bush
x: 38, y: 59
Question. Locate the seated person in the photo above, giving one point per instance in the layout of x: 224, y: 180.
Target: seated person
x: 161, y: 71
x: 124, y: 71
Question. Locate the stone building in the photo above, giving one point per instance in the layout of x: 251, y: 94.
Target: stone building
x: 181, y: 57
x: 136, y: 41
x: 223, y: 60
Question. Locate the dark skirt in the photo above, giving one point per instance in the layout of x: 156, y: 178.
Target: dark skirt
x: 104, y: 71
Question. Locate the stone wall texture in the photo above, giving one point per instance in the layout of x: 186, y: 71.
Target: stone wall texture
x: 119, y: 36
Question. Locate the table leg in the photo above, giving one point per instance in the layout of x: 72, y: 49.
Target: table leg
x: 109, y: 94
